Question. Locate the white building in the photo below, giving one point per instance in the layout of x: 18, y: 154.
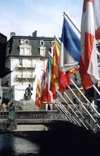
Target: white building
x: 26, y: 57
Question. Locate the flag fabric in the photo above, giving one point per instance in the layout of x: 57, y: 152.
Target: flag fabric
x: 73, y: 70
x: 69, y: 55
x: 96, y: 7
x: 70, y: 47
x: 42, y: 88
x: 38, y: 95
x: 47, y: 81
x: 54, y: 69
x: 88, y: 60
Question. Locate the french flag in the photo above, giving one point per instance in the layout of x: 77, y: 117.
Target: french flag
x: 88, y: 60
x: 69, y: 55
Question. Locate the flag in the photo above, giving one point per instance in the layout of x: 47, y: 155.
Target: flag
x: 88, y: 60
x: 69, y: 55
x: 42, y: 88
x: 70, y: 47
x: 47, y: 81
x: 73, y: 70
x: 54, y: 69
x: 38, y: 95
x: 96, y: 7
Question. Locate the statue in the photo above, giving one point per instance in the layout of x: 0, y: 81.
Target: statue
x: 28, y: 93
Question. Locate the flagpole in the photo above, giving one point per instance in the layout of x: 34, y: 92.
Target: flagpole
x: 78, y: 110
x: 66, y: 111
x: 71, y: 108
x: 73, y: 111
x: 75, y: 121
x: 80, y: 90
x: 84, y: 108
x: 68, y: 118
x: 85, y: 96
x: 65, y: 13
x: 61, y: 112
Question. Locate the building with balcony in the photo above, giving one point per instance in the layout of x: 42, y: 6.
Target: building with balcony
x: 26, y: 57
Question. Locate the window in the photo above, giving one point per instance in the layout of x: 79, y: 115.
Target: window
x: 27, y: 41
x: 42, y: 51
x: 51, y: 51
x: 20, y: 62
x: 22, y: 41
x: 41, y: 43
x: 42, y: 64
x: 52, y: 43
x: 22, y: 51
x: 25, y: 49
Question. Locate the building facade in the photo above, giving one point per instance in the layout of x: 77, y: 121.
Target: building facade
x: 26, y: 57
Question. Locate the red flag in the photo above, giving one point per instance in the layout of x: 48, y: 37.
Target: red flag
x: 88, y: 60
x: 47, y: 82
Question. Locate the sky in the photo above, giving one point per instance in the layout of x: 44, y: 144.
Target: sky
x: 46, y: 16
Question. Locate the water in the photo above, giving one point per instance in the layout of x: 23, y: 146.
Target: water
x: 61, y: 143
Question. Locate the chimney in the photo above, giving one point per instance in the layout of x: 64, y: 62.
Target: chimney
x: 12, y: 34
x: 34, y: 34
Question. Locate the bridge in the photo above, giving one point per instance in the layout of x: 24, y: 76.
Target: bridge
x: 40, y: 120
x: 44, y: 120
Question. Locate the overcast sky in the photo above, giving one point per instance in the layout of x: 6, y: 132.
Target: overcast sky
x: 46, y: 16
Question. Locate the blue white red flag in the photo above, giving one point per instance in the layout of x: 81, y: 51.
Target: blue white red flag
x: 69, y: 55
x: 70, y: 47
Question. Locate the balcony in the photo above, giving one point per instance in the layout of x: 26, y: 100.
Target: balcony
x: 25, y: 66
x: 25, y: 77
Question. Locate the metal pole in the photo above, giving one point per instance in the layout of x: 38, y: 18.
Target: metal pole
x: 65, y: 13
x: 78, y: 110
x: 72, y: 110
x: 67, y: 117
x: 84, y: 107
x: 85, y: 96
x: 66, y: 111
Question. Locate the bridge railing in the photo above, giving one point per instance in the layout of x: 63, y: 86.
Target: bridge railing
x: 36, y: 114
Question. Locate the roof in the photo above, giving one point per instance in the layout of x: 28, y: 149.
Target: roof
x: 14, y: 43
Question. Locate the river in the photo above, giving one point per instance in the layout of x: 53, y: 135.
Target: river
x: 67, y: 141
x: 56, y: 143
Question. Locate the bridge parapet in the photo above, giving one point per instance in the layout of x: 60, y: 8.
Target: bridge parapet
x: 38, y: 114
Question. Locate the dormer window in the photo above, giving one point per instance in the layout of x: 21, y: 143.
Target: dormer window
x: 41, y: 43
x: 52, y: 43
x: 51, y: 51
x: 42, y: 51
x: 27, y: 41
x: 25, y: 49
x: 24, y: 41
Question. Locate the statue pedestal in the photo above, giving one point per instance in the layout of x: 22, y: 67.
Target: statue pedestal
x: 26, y: 105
